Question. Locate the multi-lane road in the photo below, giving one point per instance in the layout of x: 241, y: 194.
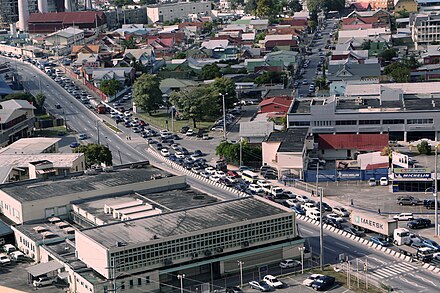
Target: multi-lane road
x: 402, y: 276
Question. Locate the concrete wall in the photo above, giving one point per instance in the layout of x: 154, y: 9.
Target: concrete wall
x: 269, y: 151
x: 179, y: 10
x: 92, y: 253
x: 11, y: 208
x: 26, y: 245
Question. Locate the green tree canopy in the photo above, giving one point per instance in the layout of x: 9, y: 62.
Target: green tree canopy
x: 388, y: 54
x: 424, y: 148
x: 128, y: 43
x: 95, y: 154
x: 271, y: 77
x: 210, y: 71
x: 231, y: 152
x: 398, y: 71
x: 226, y: 86
x: 180, y: 55
x: 146, y: 93
x: 110, y: 87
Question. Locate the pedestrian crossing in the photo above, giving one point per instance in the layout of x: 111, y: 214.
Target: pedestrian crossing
x: 391, y: 270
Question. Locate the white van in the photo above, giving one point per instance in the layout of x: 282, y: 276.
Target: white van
x: 8, y: 248
x: 383, y: 181
x: 313, y: 214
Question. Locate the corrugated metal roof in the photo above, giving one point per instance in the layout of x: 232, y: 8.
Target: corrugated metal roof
x: 364, y: 142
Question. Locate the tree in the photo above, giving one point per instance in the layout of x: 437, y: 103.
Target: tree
x: 271, y: 77
x: 147, y: 94
x: 388, y: 54
x: 366, y: 45
x: 224, y: 85
x: 195, y: 103
x: 398, y: 71
x: 180, y: 55
x: 39, y: 103
x: 231, y: 152
x: 210, y: 71
x: 110, y: 87
x: 260, y: 36
x: 95, y: 154
x: 128, y: 43
x: 424, y: 148
x: 263, y: 8
x: 208, y: 26
x: 295, y: 6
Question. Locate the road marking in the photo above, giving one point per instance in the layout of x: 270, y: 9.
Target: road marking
x: 425, y: 280
x: 306, y: 230
x: 378, y: 260
x: 329, y: 249
x: 411, y: 283
x: 343, y: 245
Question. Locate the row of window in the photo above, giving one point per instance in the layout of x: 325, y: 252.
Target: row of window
x: 202, y: 244
x: 131, y: 284
x: 363, y: 122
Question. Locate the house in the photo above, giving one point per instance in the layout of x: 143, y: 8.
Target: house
x: 168, y: 85
x: 409, y: 6
x: 339, y: 75
x: 145, y: 56
x: 125, y: 75
x: 86, y: 49
x: 431, y: 55
x: 65, y: 37
x: 360, y: 6
x: 279, y: 105
x: 88, y: 60
x: 354, y: 56
x: 358, y: 37
x: 255, y: 132
x: 16, y: 120
x: 286, y: 151
x: 381, y: 4
x: 277, y: 61
x: 377, y: 47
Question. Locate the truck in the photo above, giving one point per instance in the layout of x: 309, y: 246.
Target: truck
x: 96, y: 105
x: 373, y: 222
x: 401, y: 236
x: 424, y: 254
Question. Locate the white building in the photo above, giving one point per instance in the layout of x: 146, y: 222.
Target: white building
x: 65, y: 37
x: 177, y: 10
x: 425, y: 29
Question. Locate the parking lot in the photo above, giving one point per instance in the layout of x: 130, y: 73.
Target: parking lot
x: 15, y: 276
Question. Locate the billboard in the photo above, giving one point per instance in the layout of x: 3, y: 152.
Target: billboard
x: 401, y: 173
x: 347, y: 164
x: 400, y: 160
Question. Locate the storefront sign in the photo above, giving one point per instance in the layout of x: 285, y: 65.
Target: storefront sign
x: 412, y: 175
x: 411, y: 170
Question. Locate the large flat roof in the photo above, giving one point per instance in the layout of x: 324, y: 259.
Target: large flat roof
x: 29, y: 190
x: 182, y: 222
x: 34, y: 145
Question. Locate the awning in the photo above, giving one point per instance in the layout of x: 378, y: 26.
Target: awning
x: 45, y: 171
x: 44, y: 268
x: 63, y: 275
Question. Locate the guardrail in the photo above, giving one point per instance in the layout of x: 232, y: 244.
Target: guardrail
x: 194, y: 175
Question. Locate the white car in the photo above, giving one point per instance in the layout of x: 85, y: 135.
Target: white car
x: 273, y: 281
x: 214, y: 178
x: 255, y: 188
x: 190, y: 132
x: 165, y: 152
x: 289, y: 263
x: 383, y: 181
x: 309, y: 205
x: 17, y: 256
x: 291, y: 202
x: 210, y: 170
x: 204, y: 174
x: 309, y: 281
x: 179, y: 155
x: 341, y: 211
x: 404, y: 217
x: 220, y: 174
x: 302, y: 198
x: 127, y: 113
x: 43, y: 281
x: 336, y: 217
x: 262, y: 183
x: 4, y: 259
x: 436, y: 255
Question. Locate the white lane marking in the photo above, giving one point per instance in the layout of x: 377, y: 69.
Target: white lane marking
x: 343, y: 245
x: 329, y: 249
x: 411, y: 283
x: 306, y: 230
x: 425, y: 280
x: 378, y: 260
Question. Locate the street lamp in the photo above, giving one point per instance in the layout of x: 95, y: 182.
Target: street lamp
x: 181, y: 277
x: 321, y: 230
x: 240, y: 263
x: 436, y: 191
x: 301, y: 249
x: 224, y: 115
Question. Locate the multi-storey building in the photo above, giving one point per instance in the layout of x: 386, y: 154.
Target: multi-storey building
x: 177, y: 10
x: 425, y: 29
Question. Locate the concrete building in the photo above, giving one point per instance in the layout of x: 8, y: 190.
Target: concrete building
x: 177, y: 10
x: 65, y: 37
x: 425, y: 29
x: 16, y: 120
x: 119, y: 17
x: 406, y: 117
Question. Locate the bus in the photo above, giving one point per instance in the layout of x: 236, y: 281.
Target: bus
x: 249, y: 176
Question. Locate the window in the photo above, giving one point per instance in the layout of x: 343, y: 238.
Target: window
x: 300, y: 123
x: 139, y: 282
x: 393, y: 121
x: 122, y: 285
x: 131, y: 283
x: 420, y: 121
x: 147, y: 279
x: 368, y: 122
x: 346, y: 122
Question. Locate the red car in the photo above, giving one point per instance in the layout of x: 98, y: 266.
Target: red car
x: 143, y: 123
x: 233, y: 174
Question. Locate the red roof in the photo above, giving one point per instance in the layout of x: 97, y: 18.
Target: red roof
x: 361, y: 5
x: 362, y: 142
x: 376, y: 166
x: 66, y: 17
x: 282, y: 101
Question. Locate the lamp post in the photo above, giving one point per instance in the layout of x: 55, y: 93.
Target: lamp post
x: 181, y: 277
x: 224, y: 115
x: 301, y: 250
x: 240, y: 263
x: 97, y: 131
x: 435, y: 192
x: 321, y: 230
x: 241, y: 151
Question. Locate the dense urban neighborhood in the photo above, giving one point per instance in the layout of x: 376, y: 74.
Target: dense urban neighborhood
x: 219, y: 146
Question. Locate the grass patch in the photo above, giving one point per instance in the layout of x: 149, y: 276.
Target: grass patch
x: 159, y: 119
x: 43, y: 116
x: 56, y: 131
x: 112, y: 127
x: 341, y: 279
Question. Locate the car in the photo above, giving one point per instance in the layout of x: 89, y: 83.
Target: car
x: 341, y: 211
x: 326, y: 207
x: 273, y: 282
x: 255, y: 188
x: 309, y: 281
x: 198, y: 153
x: 136, y: 129
x: 380, y: 241
x: 298, y: 210
x: 211, y: 170
x: 289, y: 263
x: 404, y: 217
x: 75, y: 144
x: 354, y: 231
x: 43, y: 281
x: 372, y: 181
x: 289, y: 194
x: 431, y: 244
x: 215, y: 178
x: 302, y: 198
x: 17, y: 256
x: 259, y: 285
x: 323, y: 283
x: 190, y: 132
x: 419, y: 223
x: 233, y: 290
x: 305, y: 82
x: 409, y: 201
x: 430, y: 204
x: 184, y: 129
x: 220, y: 174
x: 180, y: 155
x: 82, y: 136
x: 332, y: 222
x: 175, y: 146
x: 232, y: 173
x: 164, y: 152
x: 127, y: 114
x: 383, y: 181
x: 336, y: 217
x: 4, y: 259
x: 291, y: 202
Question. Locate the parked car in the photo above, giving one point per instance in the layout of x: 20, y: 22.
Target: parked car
x: 372, y: 181
x: 354, y: 231
x: 233, y: 290
x: 74, y: 144
x: 82, y: 136
x: 17, y: 256
x: 419, y: 223
x: 341, y: 211
x: 332, y: 222
x: 380, y: 241
x: 190, y: 132
x: 409, y: 201
x: 323, y: 283
x: 325, y: 206
x: 4, y: 259
x: 164, y: 152
x: 259, y: 285
x: 298, y: 210
x: 289, y: 263
x: 273, y: 282
x: 430, y: 203
x: 336, y: 217
x: 404, y: 217
x: 302, y: 198
x: 431, y: 244
x: 309, y: 281
x: 43, y: 281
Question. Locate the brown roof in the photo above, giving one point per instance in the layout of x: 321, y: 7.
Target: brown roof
x: 362, y: 142
x: 78, y: 17
x: 86, y: 48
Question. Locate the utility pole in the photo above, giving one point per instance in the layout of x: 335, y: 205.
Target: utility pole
x: 172, y: 119
x: 240, y: 263
x: 97, y: 130
x: 301, y: 249
x: 435, y: 192
x: 181, y: 277
x: 224, y: 115
x: 321, y: 230
x: 241, y: 151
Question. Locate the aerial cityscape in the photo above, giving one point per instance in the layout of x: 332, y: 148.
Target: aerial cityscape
x: 219, y: 146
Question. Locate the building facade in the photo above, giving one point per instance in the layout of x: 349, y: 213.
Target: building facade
x: 425, y: 29
x: 177, y: 10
